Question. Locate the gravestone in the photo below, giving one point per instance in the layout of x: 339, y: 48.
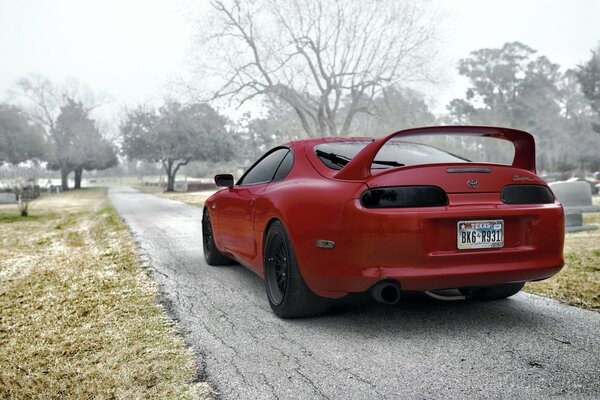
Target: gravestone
x: 200, y: 186
x: 576, y: 199
x: 8, y: 198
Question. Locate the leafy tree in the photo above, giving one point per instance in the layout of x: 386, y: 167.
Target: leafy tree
x: 589, y: 78
x: 64, y: 115
x: 513, y: 86
x: 78, y: 145
x: 174, y: 135
x: 579, y: 144
x: 316, y: 55
x: 102, y: 155
x: 508, y: 84
x: 19, y: 139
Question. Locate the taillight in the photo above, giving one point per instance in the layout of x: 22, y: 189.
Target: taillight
x: 527, y: 194
x: 404, y: 196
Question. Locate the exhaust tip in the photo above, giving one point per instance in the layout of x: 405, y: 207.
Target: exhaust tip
x: 386, y: 292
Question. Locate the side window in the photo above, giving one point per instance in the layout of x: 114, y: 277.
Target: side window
x: 285, y: 167
x: 264, y: 169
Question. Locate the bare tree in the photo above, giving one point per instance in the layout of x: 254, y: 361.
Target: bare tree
x: 25, y: 192
x: 43, y: 98
x: 327, y: 60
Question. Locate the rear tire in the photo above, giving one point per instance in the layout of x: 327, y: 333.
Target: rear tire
x: 288, y: 294
x: 495, y: 292
x: 212, y: 255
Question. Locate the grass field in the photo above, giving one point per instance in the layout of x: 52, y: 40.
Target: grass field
x: 194, y: 198
x: 579, y: 281
x: 80, y: 318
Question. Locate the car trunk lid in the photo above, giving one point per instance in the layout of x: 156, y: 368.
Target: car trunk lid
x: 454, y: 178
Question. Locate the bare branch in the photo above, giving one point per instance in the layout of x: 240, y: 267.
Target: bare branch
x: 327, y: 60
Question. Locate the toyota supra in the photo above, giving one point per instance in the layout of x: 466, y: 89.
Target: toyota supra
x: 319, y: 219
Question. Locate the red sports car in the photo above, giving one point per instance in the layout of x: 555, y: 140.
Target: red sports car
x: 321, y: 218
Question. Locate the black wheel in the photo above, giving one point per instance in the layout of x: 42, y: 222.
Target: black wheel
x: 212, y: 255
x: 495, y: 292
x: 287, y: 293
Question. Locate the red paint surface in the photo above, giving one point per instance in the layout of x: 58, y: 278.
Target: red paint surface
x: 414, y: 246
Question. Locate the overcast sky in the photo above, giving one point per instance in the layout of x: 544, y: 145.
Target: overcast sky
x: 131, y: 49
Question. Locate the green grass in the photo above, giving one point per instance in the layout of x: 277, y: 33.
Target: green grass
x: 80, y: 318
x: 9, y: 218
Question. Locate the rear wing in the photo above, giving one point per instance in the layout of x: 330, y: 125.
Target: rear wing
x: 360, y: 166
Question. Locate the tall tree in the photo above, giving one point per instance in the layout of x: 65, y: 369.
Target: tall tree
x: 103, y: 155
x: 589, y: 79
x: 20, y: 140
x: 79, y: 144
x: 515, y: 87
x: 314, y: 55
x: 579, y: 144
x: 64, y: 114
x: 174, y: 135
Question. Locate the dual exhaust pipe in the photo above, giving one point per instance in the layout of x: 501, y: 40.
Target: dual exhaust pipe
x: 386, y: 292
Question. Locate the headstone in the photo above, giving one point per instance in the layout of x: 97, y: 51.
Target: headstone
x: 576, y: 199
x: 200, y: 186
x: 8, y: 198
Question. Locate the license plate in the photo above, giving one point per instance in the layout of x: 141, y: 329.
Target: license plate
x: 480, y: 234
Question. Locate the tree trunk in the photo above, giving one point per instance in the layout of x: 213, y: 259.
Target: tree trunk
x: 168, y: 164
x: 64, y: 178
x: 78, y: 173
x: 171, y: 183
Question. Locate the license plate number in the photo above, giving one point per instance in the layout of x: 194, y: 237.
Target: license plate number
x: 480, y: 234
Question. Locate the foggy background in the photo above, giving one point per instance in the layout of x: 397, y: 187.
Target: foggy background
x: 184, y: 89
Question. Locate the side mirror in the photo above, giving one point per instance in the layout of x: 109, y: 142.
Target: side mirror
x: 224, y: 180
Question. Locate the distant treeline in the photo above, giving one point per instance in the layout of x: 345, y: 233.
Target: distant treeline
x: 511, y: 86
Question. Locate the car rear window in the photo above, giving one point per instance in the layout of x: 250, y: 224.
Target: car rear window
x: 401, y: 152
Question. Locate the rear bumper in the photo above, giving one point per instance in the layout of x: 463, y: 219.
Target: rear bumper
x: 417, y: 247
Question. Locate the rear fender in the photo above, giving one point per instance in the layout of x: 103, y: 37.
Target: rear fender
x: 310, y: 211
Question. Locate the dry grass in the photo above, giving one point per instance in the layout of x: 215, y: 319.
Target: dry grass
x: 194, y: 198
x: 579, y: 281
x: 80, y: 319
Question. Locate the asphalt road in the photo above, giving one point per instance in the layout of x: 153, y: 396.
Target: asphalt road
x: 524, y: 347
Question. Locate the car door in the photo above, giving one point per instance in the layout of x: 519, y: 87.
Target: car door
x: 236, y: 207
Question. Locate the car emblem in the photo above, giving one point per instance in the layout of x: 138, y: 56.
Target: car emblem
x: 473, y: 183
x: 522, y: 178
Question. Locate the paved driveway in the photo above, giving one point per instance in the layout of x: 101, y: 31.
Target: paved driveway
x: 523, y: 347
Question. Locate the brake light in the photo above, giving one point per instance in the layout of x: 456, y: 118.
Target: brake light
x: 404, y: 196
x: 527, y: 194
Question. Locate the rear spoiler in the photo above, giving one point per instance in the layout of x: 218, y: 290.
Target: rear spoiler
x: 360, y: 166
